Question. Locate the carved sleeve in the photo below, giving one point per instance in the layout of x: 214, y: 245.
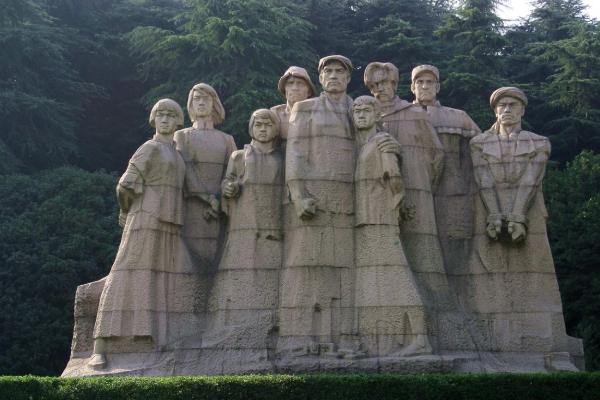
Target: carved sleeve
x: 235, y: 169
x: 486, y: 183
x: 530, y: 181
x: 297, y: 153
x: 437, y: 163
x: 137, y: 169
x: 230, y: 149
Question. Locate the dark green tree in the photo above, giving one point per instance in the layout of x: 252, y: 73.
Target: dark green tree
x: 573, y: 203
x: 111, y: 125
x: 241, y: 48
x: 58, y: 229
x: 41, y: 93
x: 572, y: 91
x: 472, y: 68
x: 551, y: 56
x: 401, y: 32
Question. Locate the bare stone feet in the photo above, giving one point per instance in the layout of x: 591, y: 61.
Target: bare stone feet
x: 98, y: 361
x: 419, y: 347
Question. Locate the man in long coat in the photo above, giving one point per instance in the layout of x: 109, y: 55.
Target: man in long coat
x: 316, y: 281
x: 512, y: 289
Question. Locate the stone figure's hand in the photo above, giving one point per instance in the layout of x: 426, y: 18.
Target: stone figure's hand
x: 407, y: 212
x: 396, y: 184
x: 389, y: 145
x: 305, y: 208
x: 494, y: 228
x: 214, y: 210
x: 125, y: 197
x: 231, y: 190
x: 517, y: 231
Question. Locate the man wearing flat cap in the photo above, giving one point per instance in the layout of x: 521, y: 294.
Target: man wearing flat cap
x: 295, y: 85
x: 319, y: 250
x: 422, y: 157
x: 513, y: 282
x: 454, y: 194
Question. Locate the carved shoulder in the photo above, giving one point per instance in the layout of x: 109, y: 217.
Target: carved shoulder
x: 542, y: 143
x: 305, y: 105
x: 279, y: 108
x: 478, y: 140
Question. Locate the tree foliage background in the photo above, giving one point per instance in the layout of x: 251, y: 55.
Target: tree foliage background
x: 78, y: 77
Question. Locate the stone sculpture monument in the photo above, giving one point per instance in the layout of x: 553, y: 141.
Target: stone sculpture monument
x: 391, y: 315
x: 512, y: 289
x: 139, y: 307
x: 244, y: 298
x: 453, y: 196
x: 316, y: 303
x: 384, y: 236
x: 422, y: 162
x: 206, y: 152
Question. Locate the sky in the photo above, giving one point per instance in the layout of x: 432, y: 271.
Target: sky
x: 514, y: 9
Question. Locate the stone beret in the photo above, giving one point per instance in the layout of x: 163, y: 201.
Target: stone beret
x: 418, y: 70
x: 507, y: 91
x: 345, y: 62
x: 296, y: 72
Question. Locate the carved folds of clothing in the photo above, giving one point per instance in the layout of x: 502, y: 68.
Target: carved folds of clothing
x: 389, y: 308
x: 139, y: 297
x: 206, y: 153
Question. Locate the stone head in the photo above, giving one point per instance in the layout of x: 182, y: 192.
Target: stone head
x: 425, y: 84
x: 263, y: 126
x: 295, y: 85
x: 334, y: 73
x: 509, y: 105
x: 366, y: 112
x: 382, y: 80
x: 166, y: 116
x: 203, y: 102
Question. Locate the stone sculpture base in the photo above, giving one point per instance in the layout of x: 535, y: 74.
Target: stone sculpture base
x: 219, y: 362
x: 202, y: 354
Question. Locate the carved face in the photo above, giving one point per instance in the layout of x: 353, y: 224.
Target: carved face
x: 364, y: 116
x: 425, y: 87
x: 334, y: 77
x: 202, y: 103
x: 165, y: 121
x: 296, y: 89
x: 263, y: 130
x: 509, y: 111
x: 382, y: 87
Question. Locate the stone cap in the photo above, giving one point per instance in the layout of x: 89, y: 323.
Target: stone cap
x: 297, y: 72
x: 336, y: 57
x: 510, y: 91
x: 418, y: 70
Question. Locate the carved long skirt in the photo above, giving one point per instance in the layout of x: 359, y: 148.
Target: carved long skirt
x: 152, y: 286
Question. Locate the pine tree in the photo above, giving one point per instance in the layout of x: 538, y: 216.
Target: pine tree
x: 241, y: 48
x: 473, y: 38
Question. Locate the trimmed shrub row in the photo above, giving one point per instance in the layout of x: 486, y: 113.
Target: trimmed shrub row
x: 566, y: 386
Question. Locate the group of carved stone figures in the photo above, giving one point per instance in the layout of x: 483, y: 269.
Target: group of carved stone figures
x: 369, y: 228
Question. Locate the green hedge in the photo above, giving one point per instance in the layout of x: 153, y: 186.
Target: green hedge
x: 571, y: 386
